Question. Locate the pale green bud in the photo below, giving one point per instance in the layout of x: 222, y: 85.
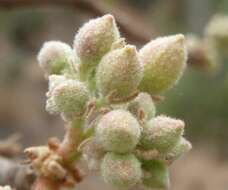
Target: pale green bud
x: 164, y: 60
x: 118, y: 131
x: 142, y: 106
x: 71, y: 98
x: 156, y: 175
x: 54, y: 57
x: 120, y: 43
x: 182, y: 147
x: 51, y: 106
x: 54, y: 81
x: 217, y: 30
x: 162, y: 133
x: 71, y: 71
x: 94, y: 40
x: 122, y: 171
x: 119, y: 73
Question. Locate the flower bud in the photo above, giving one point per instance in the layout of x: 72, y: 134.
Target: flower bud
x: 121, y: 170
x: 71, y: 70
x: 54, y: 57
x: 217, y: 30
x: 120, y: 43
x: 156, y: 175
x: 54, y: 81
x: 182, y: 147
x: 70, y: 98
x: 118, y: 131
x: 94, y: 40
x: 51, y: 106
x: 119, y: 73
x: 142, y: 105
x: 164, y: 61
x: 162, y: 133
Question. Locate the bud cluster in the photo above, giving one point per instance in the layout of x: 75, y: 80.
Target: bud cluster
x: 109, y: 85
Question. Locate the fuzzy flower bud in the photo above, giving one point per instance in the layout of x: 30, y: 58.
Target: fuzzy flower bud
x: 94, y: 40
x: 70, y: 98
x: 118, y: 131
x: 120, y: 43
x: 217, y: 30
x: 54, y: 57
x: 162, y: 133
x: 164, y: 60
x: 54, y: 81
x: 156, y: 175
x: 119, y: 73
x: 182, y: 147
x: 121, y: 170
x: 51, y: 106
x: 142, y: 106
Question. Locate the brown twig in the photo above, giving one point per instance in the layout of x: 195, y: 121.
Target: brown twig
x: 130, y: 25
x: 55, y: 163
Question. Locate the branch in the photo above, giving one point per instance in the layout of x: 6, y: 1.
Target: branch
x: 131, y: 25
x: 55, y: 163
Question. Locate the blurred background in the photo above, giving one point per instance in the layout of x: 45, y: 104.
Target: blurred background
x: 200, y: 99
